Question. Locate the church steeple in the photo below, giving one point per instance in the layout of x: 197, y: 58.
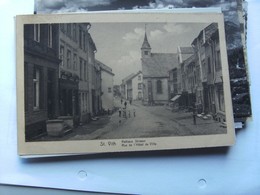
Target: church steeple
x: 146, y: 44
x: 146, y: 48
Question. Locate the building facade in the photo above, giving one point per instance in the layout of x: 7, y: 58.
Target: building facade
x: 62, y: 81
x: 126, y: 87
x: 137, y: 86
x: 79, y: 88
x: 107, y: 83
x: 41, y: 68
x: 132, y: 86
x: 208, y: 59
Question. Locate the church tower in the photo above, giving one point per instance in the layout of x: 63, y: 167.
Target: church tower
x: 146, y: 48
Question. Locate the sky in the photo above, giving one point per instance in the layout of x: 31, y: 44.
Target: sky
x: 118, y: 44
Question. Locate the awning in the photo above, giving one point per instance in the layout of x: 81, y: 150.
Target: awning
x: 175, y: 98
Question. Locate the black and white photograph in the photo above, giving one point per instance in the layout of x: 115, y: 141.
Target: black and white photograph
x: 235, y: 21
x: 123, y: 82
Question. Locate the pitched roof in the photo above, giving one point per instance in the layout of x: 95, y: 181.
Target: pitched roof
x: 206, y: 33
x: 158, y: 64
x: 104, y: 67
x: 210, y: 29
x: 131, y: 76
x: 128, y: 77
x: 189, y: 60
x: 186, y: 50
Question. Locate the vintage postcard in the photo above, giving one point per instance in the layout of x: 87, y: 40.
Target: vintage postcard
x: 117, y: 82
x: 235, y: 21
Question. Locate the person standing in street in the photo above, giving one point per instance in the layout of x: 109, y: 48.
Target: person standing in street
x: 125, y: 104
x: 119, y: 112
x: 134, y: 112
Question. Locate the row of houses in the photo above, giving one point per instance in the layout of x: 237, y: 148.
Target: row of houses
x: 63, y: 79
x: 191, y: 77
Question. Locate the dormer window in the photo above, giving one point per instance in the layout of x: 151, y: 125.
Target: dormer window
x: 146, y: 53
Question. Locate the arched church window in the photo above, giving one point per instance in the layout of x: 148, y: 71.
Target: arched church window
x: 159, y: 86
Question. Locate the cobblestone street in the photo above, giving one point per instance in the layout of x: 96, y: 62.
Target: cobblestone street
x: 149, y: 121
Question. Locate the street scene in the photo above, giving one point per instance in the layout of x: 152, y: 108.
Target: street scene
x: 142, y: 122
x: 158, y: 80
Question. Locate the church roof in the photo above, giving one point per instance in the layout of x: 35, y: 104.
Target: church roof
x: 158, y: 64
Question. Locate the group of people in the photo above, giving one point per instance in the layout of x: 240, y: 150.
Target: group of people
x: 124, y: 112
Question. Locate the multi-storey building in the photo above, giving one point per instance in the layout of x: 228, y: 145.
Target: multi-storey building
x: 41, y: 65
x: 107, y: 82
x: 137, y: 86
x: 61, y: 78
x: 209, y: 60
x: 77, y: 72
x: 132, y: 86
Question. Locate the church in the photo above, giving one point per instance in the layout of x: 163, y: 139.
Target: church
x: 155, y: 69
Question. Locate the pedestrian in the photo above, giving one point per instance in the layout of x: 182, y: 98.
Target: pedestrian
x: 129, y: 114
x: 121, y: 101
x: 134, y: 112
x: 124, y: 113
x: 119, y: 112
x: 125, y: 104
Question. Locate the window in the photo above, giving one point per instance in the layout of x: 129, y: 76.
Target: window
x: 159, y: 86
x: 139, y: 85
x: 69, y: 59
x: 139, y: 78
x: 109, y: 90
x: 204, y: 69
x: 218, y: 60
x: 74, y: 32
x: 81, y: 69
x: 209, y: 65
x: 75, y: 61
x: 85, y: 70
x: 80, y: 37
x: 62, y: 55
x: 84, y: 41
x: 145, y: 52
x: 83, y: 101
x: 50, y: 35
x: 36, y: 88
x: 36, y: 35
